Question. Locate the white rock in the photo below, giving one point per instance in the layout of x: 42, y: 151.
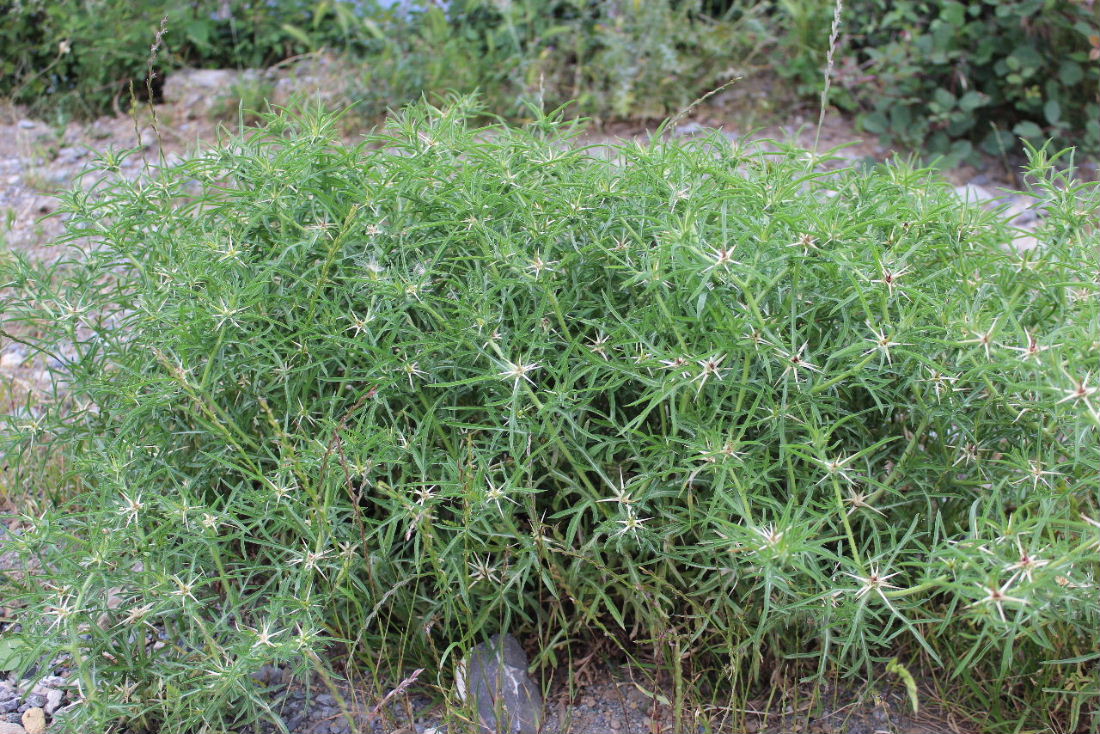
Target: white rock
x: 973, y: 193
x: 53, y: 700
x: 6, y: 728
x: 198, y: 90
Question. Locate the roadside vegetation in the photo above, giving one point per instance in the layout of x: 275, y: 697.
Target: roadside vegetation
x: 746, y: 414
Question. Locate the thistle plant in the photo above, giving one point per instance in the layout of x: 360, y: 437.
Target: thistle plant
x: 365, y: 406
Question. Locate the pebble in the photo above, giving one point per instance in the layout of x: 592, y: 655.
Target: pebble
x: 973, y: 193
x: 53, y: 701
x: 11, y: 359
x: 71, y: 154
x: 8, y: 728
x: 26, y: 124
x: 34, y: 721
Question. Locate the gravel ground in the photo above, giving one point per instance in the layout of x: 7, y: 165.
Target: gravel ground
x: 37, y: 159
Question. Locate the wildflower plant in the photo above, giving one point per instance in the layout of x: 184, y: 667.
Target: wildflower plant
x: 367, y: 405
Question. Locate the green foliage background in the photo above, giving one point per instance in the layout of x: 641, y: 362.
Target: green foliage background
x: 82, y: 56
x: 952, y: 77
x: 947, y: 77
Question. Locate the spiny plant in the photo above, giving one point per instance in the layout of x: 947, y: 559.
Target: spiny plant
x: 372, y: 404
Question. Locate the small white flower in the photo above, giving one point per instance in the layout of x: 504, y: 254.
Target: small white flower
x: 860, y: 500
x: 598, y: 344
x: 722, y: 257
x: 1080, y: 390
x: 311, y: 559
x: 425, y: 495
x: 890, y: 278
x: 941, y: 382
x: 728, y: 451
x: 481, y: 570
x: 807, y: 242
x: 998, y: 597
x: 374, y: 269
x: 538, y: 265
x: 838, y: 468
x: 873, y: 582
x: 770, y: 535
x: 882, y: 343
x: 1026, y: 566
x: 985, y: 339
x: 677, y: 363
x: 265, y: 637
x: 281, y: 491
x: 631, y: 523
x: 710, y: 368
x: 518, y: 371
x: 797, y: 361
x: 968, y: 454
x: 619, y: 494
x: 1031, y: 350
x: 413, y: 369
x: 226, y: 314
x: 131, y: 508
x: 136, y: 614
x: 495, y: 494
x: 184, y: 588
x: 1036, y: 474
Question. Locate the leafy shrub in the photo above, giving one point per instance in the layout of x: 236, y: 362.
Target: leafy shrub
x: 380, y: 402
x: 615, y: 59
x: 950, y: 75
x: 82, y: 56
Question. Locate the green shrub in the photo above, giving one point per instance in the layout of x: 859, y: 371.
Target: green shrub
x: 380, y: 402
x: 958, y: 77
x: 81, y: 56
x: 614, y: 59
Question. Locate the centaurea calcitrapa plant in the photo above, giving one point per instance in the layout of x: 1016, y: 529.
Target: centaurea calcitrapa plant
x: 372, y: 404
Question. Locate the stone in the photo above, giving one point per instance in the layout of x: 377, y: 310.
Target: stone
x: 973, y: 193
x: 12, y: 359
x: 494, y: 676
x: 197, y: 91
x: 6, y: 728
x: 34, y: 720
x: 26, y: 124
x: 53, y: 700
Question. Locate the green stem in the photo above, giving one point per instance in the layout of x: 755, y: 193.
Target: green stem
x: 930, y: 584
